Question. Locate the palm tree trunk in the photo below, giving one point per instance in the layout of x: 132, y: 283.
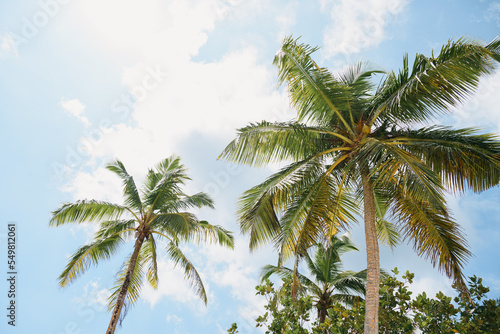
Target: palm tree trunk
x: 322, y: 317
x: 295, y: 277
x: 123, y: 291
x: 372, y: 257
x: 321, y: 313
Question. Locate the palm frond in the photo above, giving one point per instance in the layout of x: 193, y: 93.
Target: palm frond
x: 178, y: 225
x: 130, y: 192
x: 207, y: 233
x: 269, y: 270
x: 186, y: 202
x: 258, y: 206
x: 87, y: 256
x: 86, y: 211
x: 135, y: 285
x: 462, y: 157
x: 316, y: 94
x: 150, y: 260
x: 434, y: 235
x: 392, y: 164
x: 111, y: 227
x: 314, y: 214
x: 263, y: 143
x: 349, y: 282
x: 163, y: 184
x: 434, y: 83
x: 190, y: 272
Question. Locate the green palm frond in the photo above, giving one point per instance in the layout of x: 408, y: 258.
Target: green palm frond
x: 134, y: 288
x: 207, y: 233
x: 320, y: 210
x: 149, y: 256
x: 434, y: 235
x: 359, y: 80
x: 387, y: 232
x: 86, y: 211
x: 304, y: 282
x: 258, y: 206
x: 163, y: 184
x: 125, y: 228
x: 130, y: 192
x: 462, y: 157
x: 434, y: 83
x: 393, y: 164
x: 316, y: 94
x: 190, y: 272
x: 304, y: 221
x: 263, y: 143
x: 349, y: 281
x: 183, y: 203
x: 345, y: 299
x: 178, y: 224
x: 87, y: 256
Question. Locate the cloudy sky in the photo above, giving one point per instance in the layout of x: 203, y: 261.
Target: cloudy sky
x: 84, y: 82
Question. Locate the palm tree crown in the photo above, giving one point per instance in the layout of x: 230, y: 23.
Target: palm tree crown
x: 330, y: 284
x: 156, y: 212
x: 357, y: 143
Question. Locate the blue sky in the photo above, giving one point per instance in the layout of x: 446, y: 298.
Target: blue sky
x: 84, y: 82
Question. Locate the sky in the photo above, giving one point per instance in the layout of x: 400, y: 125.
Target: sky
x: 86, y: 82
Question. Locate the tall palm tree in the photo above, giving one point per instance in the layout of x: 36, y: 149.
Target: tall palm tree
x: 157, y: 212
x: 329, y: 284
x: 352, y: 137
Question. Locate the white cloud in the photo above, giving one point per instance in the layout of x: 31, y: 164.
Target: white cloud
x: 173, y: 318
x: 358, y: 25
x: 493, y: 13
x: 286, y: 19
x: 177, y: 96
x: 93, y: 296
x: 238, y: 270
x: 7, y: 46
x: 431, y: 285
x: 481, y: 110
x: 75, y: 108
x: 100, y: 184
x: 172, y: 285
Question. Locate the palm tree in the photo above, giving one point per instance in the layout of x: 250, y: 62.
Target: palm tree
x: 157, y: 213
x: 352, y: 137
x: 330, y: 284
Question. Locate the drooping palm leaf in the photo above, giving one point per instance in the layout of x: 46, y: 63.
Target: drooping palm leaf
x: 190, y: 272
x: 135, y: 285
x: 89, y: 255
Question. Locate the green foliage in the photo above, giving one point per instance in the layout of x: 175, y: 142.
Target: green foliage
x: 284, y: 314
x: 395, y: 304
x: 398, y: 312
x: 233, y: 329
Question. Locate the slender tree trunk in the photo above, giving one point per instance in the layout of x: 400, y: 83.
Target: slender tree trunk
x: 126, y: 283
x: 321, y: 315
x: 372, y: 255
x: 322, y: 312
x: 295, y: 278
